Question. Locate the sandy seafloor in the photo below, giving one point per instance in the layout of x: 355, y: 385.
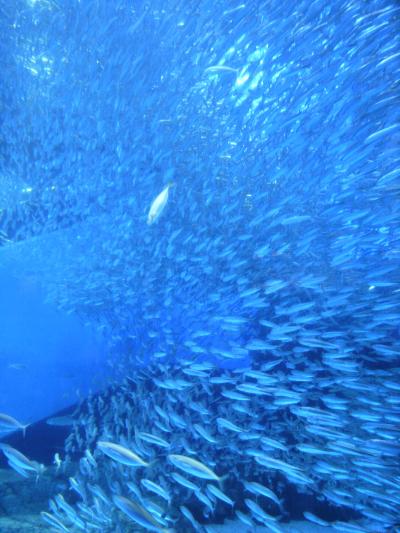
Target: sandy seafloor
x: 22, y: 500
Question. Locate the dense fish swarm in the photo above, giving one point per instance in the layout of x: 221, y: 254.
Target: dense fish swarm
x: 254, y: 330
x: 326, y: 430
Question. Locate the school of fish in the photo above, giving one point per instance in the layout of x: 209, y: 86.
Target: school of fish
x: 221, y: 184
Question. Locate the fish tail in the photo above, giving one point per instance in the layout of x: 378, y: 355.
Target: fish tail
x: 221, y: 481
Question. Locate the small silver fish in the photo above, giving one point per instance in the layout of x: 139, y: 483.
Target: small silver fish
x: 120, y: 454
x: 193, y: 467
x: 19, y: 461
x: 60, y: 421
x: 138, y: 514
x: 8, y: 423
x: 220, y: 68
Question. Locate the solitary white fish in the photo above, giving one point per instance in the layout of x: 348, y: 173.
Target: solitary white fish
x: 157, y: 207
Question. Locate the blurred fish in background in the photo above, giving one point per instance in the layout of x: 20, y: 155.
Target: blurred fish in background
x: 242, y: 329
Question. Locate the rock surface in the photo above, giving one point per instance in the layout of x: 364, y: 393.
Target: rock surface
x: 22, y: 500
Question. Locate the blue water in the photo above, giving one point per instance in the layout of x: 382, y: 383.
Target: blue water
x: 276, y: 128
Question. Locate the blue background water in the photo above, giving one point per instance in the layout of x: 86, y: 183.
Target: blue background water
x: 285, y: 167
x: 47, y: 359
